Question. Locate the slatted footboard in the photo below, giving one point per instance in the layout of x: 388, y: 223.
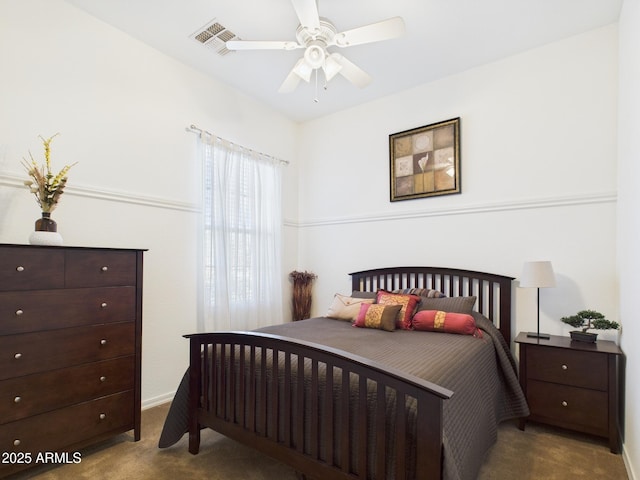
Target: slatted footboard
x: 313, y: 407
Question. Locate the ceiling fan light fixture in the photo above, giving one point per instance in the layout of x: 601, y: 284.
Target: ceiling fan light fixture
x: 315, y: 55
x: 331, y: 67
x: 303, y: 70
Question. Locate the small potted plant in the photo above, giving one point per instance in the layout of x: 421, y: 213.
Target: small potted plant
x: 588, y: 320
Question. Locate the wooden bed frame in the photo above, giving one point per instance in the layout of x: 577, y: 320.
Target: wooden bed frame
x: 220, y: 399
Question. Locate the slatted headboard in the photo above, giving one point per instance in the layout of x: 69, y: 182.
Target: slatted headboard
x: 493, y: 291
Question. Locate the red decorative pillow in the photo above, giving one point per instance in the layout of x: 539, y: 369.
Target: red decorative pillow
x: 407, y: 302
x: 372, y: 315
x: 448, y: 322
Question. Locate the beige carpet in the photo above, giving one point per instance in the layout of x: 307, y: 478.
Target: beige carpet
x: 537, y: 453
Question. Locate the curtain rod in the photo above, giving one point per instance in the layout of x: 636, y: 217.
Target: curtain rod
x: 194, y: 129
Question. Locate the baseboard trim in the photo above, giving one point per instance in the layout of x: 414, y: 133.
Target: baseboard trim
x: 159, y: 400
x: 627, y: 464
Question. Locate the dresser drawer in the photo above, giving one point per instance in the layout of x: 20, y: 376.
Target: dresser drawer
x: 569, y: 405
x: 43, y: 351
x: 568, y: 367
x: 24, y: 268
x: 100, y: 268
x: 22, y: 397
x: 51, y: 309
x: 55, y: 430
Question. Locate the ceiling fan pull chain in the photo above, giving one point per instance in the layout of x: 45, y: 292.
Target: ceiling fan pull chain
x: 316, y: 99
x: 324, y: 76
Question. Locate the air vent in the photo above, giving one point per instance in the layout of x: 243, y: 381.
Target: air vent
x: 214, y: 36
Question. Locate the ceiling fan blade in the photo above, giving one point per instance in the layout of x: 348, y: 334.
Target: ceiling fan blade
x: 352, y: 72
x: 307, y: 12
x: 261, y: 45
x: 384, y: 30
x: 291, y: 82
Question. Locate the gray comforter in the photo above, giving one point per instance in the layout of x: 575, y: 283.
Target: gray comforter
x: 480, y: 371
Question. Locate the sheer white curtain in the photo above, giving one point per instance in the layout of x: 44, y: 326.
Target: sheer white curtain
x: 241, y: 282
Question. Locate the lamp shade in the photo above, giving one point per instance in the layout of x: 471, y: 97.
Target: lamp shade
x: 537, y: 275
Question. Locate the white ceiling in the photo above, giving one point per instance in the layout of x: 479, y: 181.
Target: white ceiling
x: 443, y: 37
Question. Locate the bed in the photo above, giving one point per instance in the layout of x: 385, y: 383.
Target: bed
x: 334, y: 401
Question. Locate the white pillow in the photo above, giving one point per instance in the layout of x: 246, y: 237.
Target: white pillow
x: 346, y: 308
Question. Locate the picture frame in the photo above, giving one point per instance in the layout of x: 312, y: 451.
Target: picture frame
x: 425, y: 161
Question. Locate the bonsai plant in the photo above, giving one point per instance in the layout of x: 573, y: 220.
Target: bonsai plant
x: 588, y: 320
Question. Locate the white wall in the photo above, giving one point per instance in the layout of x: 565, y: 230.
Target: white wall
x: 629, y: 221
x: 121, y: 108
x: 538, y: 155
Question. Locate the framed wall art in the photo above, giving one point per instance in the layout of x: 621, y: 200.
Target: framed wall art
x: 425, y: 161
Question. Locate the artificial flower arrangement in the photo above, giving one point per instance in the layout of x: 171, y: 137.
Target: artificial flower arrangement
x: 46, y: 186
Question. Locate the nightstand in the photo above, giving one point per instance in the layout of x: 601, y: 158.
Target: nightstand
x: 573, y: 385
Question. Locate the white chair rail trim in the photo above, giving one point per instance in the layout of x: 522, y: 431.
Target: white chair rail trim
x: 550, y: 202
x: 110, y: 195
x: 127, y: 197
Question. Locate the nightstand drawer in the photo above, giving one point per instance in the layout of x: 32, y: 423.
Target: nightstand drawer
x: 22, y: 397
x: 568, y: 367
x: 569, y: 405
x: 25, y: 268
x: 100, y: 269
x: 43, y: 351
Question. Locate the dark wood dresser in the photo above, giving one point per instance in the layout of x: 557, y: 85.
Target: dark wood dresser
x: 70, y: 349
x: 573, y: 385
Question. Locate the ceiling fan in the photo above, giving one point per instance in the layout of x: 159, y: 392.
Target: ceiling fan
x: 316, y: 35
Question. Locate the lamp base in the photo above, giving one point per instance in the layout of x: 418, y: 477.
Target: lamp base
x: 538, y: 335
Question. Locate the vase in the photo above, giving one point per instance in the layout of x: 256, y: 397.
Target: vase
x: 46, y: 232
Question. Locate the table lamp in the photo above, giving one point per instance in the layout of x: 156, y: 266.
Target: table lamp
x: 537, y: 275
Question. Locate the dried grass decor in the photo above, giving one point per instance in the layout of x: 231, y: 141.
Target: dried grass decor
x: 302, y: 282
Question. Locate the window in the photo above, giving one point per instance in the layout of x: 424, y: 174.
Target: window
x: 241, y: 235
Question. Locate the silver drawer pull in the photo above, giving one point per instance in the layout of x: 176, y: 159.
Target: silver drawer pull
x: 17, y: 356
x: 103, y: 416
x: 103, y: 379
x: 103, y: 305
x: 564, y: 404
x: 105, y: 268
x: 20, y: 268
x: 103, y: 342
x: 16, y: 442
x: 18, y: 399
x: 564, y: 367
x: 19, y: 312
